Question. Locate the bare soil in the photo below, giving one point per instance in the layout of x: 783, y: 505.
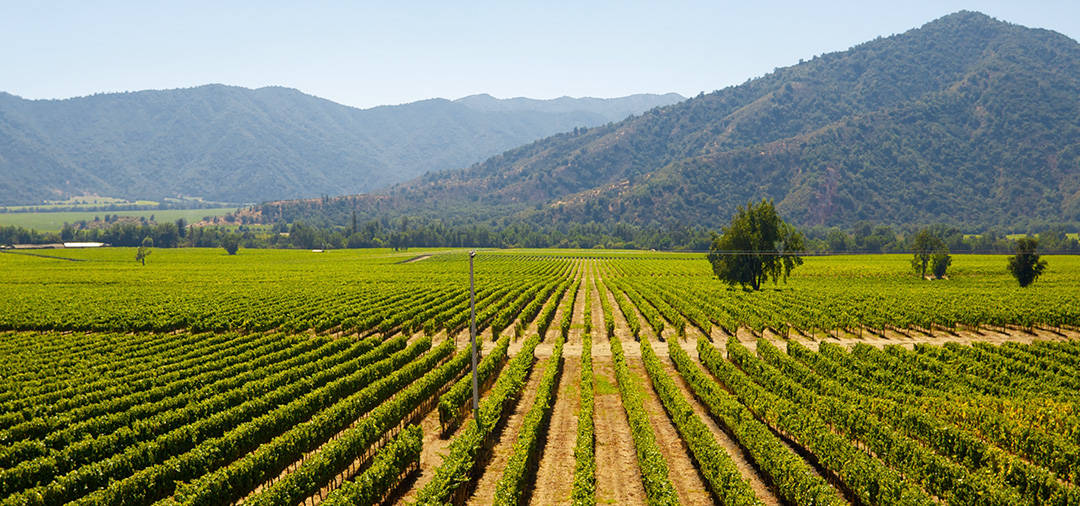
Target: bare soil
x: 618, y: 478
x: 484, y: 492
x: 577, y: 325
x: 743, y: 461
x: 684, y: 476
x: 431, y: 455
x: 555, y: 474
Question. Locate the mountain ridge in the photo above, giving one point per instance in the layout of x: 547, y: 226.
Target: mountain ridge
x: 965, y: 120
x: 230, y: 143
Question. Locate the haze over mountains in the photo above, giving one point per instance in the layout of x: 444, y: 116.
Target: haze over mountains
x: 966, y: 120
x: 234, y: 144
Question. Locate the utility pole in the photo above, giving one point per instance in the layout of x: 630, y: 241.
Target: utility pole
x: 472, y: 339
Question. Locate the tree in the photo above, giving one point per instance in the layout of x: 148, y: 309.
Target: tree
x: 939, y: 263
x: 931, y: 251
x: 231, y: 243
x: 756, y: 246
x: 144, y: 249
x: 1026, y: 266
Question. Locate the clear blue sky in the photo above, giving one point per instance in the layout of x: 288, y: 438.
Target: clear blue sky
x: 371, y: 53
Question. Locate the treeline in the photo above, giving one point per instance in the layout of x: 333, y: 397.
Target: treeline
x: 405, y: 232
x: 165, y: 235
x: 867, y: 238
x: 118, y: 206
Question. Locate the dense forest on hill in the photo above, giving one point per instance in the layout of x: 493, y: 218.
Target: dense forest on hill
x: 967, y: 121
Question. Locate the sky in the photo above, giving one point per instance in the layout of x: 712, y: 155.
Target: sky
x: 373, y: 53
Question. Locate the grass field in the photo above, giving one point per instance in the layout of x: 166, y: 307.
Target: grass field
x: 282, y: 377
x: 54, y: 221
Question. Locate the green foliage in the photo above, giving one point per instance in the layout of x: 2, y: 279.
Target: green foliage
x: 925, y: 245
x: 794, y: 478
x: 583, y: 492
x: 722, y: 477
x: 1026, y: 266
x: 144, y: 250
x: 116, y: 416
x: 464, y: 452
x: 456, y: 403
x: 510, y: 488
x: 872, y: 480
x: 940, y: 262
x: 382, y: 475
x: 756, y: 246
x: 231, y: 243
x: 654, y: 469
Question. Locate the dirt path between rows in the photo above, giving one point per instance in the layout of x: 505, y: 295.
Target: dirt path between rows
x: 684, y: 476
x: 484, y: 492
x: 742, y: 459
x: 618, y: 478
x: 577, y: 320
x: 823, y: 473
x: 553, y: 329
x: 555, y: 474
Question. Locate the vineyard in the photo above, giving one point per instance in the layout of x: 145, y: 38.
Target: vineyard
x: 292, y: 377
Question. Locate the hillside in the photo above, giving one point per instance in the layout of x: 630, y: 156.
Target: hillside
x: 234, y: 144
x: 965, y: 120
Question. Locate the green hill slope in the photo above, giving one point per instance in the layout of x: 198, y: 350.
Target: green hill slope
x: 234, y: 144
x: 965, y: 120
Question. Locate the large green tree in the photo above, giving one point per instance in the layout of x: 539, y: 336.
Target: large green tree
x: 1026, y: 266
x: 756, y: 246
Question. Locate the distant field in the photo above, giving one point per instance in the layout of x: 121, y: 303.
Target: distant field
x: 49, y: 221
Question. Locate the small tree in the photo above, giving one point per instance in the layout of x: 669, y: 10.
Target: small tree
x: 1026, y: 266
x: 940, y: 262
x: 144, y: 249
x: 930, y: 251
x: 231, y: 243
x: 758, y: 245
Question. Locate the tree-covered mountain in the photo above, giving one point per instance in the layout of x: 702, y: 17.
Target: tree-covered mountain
x: 234, y: 144
x: 966, y: 120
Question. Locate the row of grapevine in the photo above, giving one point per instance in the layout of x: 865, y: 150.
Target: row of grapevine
x: 510, y: 488
x: 39, y: 421
x: 722, y: 477
x: 114, y: 433
x: 75, y: 403
x: 651, y: 315
x: 852, y: 303
x: 378, y: 481
x: 285, y: 404
x: 793, y: 478
x: 935, y: 473
x: 654, y: 469
x: 466, y: 448
x: 1031, y: 481
x: 233, y: 481
x: 626, y: 308
x: 455, y: 404
x: 339, y: 453
x: 977, y: 413
x: 584, y: 486
x: 868, y: 478
x: 568, y: 310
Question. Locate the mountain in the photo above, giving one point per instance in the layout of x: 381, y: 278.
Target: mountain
x: 234, y: 144
x: 966, y: 120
